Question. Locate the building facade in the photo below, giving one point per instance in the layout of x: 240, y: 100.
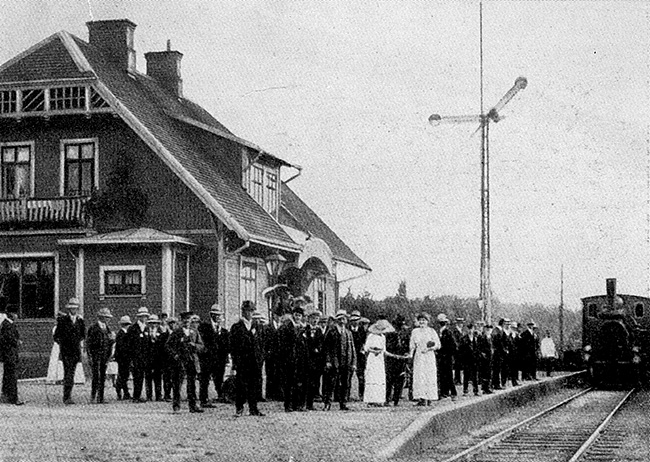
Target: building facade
x: 116, y: 189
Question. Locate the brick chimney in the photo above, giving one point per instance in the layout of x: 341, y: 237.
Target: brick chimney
x: 115, y: 38
x: 165, y: 67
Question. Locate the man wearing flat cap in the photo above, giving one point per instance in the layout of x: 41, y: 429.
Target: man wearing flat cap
x: 138, y: 335
x: 69, y: 333
x: 99, y: 345
x: 183, y: 347
x: 214, y: 357
x: 122, y: 357
x: 247, y: 358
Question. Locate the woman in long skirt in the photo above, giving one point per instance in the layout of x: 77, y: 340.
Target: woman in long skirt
x: 424, y: 343
x: 375, y: 373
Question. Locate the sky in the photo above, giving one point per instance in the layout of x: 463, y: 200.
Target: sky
x: 344, y: 89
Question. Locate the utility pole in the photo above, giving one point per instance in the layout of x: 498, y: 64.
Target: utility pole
x: 561, y: 314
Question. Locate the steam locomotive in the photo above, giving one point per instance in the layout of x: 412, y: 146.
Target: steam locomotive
x: 616, y: 337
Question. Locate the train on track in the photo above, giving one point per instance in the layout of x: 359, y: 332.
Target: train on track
x: 616, y: 338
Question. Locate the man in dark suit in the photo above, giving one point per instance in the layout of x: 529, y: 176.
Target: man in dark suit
x: 458, y: 334
x: 9, y: 344
x: 99, y: 345
x: 289, y: 346
x: 138, y: 342
x: 499, y: 354
x: 123, y: 359
x: 484, y: 347
x: 183, y: 346
x: 247, y: 357
x: 397, y: 350
x: 215, y: 355
x: 469, y: 355
x: 529, y: 342
x: 316, y: 358
x: 70, y: 333
x: 340, y: 361
x: 157, y: 358
x: 513, y: 354
x: 446, y: 355
x: 271, y: 360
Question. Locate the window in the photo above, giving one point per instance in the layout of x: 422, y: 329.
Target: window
x: 261, y: 182
x: 320, y: 285
x: 27, y: 286
x: 248, y: 281
x: 16, y: 176
x: 122, y: 280
x: 8, y: 101
x: 67, y: 98
x: 638, y: 310
x: 592, y: 310
x: 79, y: 167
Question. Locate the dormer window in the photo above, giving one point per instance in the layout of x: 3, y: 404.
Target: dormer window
x: 262, y: 183
x: 24, y: 102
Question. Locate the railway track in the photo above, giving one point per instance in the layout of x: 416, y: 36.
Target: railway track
x: 568, y: 431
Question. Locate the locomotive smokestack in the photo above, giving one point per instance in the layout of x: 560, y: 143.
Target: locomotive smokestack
x: 611, y: 291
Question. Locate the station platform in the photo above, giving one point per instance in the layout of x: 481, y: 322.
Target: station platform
x: 45, y: 429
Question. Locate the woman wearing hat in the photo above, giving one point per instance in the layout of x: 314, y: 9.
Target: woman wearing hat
x: 424, y: 343
x: 375, y: 373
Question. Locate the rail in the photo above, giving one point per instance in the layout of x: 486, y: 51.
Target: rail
x: 27, y: 211
x: 483, y: 445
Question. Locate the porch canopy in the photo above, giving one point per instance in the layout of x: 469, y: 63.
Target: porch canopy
x: 129, y: 236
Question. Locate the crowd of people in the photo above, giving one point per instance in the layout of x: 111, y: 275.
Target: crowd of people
x: 305, y: 357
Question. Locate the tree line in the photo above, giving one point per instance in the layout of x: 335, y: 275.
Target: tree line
x: 546, y: 317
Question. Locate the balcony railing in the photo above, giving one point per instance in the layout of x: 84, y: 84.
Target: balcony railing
x: 43, y: 213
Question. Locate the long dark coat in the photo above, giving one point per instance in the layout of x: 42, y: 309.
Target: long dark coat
x: 99, y: 343
x: 69, y: 336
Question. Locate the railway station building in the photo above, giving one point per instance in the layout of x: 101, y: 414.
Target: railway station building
x: 116, y: 189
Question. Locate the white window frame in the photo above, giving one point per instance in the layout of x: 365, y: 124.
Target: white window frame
x: 62, y: 145
x: 248, y: 177
x: 252, y: 262
x: 102, y: 279
x: 32, y: 161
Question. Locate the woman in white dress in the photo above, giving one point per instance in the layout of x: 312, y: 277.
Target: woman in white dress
x: 424, y: 343
x: 375, y: 374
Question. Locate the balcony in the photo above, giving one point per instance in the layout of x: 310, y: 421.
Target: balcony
x: 29, y: 213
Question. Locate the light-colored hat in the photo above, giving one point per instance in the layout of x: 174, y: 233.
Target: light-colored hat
x: 214, y: 309
x: 442, y: 317
x: 364, y: 321
x: 73, y: 303
x: 381, y: 327
x: 257, y: 315
x: 142, y: 311
x: 172, y: 320
x: 315, y: 313
x: 323, y: 318
x: 125, y: 320
x: 195, y: 318
x: 104, y: 313
x: 341, y: 314
x: 153, y: 318
x: 355, y: 315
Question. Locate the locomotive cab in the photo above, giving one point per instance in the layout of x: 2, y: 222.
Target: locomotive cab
x: 615, y: 337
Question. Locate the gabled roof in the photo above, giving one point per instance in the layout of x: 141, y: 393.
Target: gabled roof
x: 129, y: 236
x: 185, y: 137
x: 295, y: 213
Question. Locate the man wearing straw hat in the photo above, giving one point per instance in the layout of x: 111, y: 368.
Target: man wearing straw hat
x: 214, y: 356
x: 340, y: 361
x: 69, y: 333
x: 359, y: 334
x: 138, y: 335
x: 99, y: 345
x: 123, y: 359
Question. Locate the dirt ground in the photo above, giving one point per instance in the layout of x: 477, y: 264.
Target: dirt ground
x: 46, y: 430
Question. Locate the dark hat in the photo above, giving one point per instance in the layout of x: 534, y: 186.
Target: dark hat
x: 247, y: 305
x: 185, y: 315
x: 423, y: 315
x: 298, y: 309
x: 488, y: 326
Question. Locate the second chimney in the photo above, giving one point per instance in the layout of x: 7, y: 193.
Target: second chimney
x: 165, y: 67
x: 115, y: 38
